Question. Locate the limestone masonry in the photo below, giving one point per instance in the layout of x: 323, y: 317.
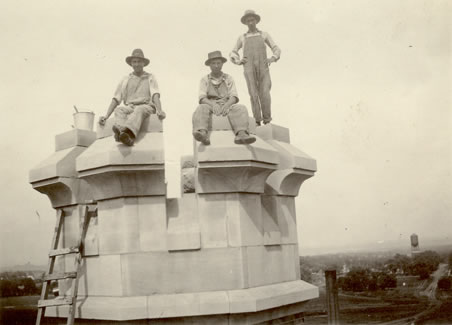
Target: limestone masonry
x: 226, y: 252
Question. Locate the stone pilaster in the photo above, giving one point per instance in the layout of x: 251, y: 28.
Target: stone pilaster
x: 281, y: 188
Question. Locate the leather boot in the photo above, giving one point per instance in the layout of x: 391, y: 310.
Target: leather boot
x: 127, y: 137
x: 243, y: 137
x: 202, y: 136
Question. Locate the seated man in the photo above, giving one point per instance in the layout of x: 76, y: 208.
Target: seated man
x: 140, y: 93
x: 217, y: 95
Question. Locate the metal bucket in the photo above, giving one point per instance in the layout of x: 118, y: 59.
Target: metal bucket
x: 84, y: 120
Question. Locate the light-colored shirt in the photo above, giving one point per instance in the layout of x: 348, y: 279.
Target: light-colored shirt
x: 136, y: 89
x: 235, y: 56
x: 223, y: 92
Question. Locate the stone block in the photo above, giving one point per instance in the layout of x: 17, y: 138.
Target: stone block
x: 71, y: 226
x: 147, y: 153
x: 183, y: 223
x: 272, y: 234
x: 296, y: 254
x: 223, y: 149
x: 118, y: 226
x: 244, y: 219
x: 101, y: 276
x: 287, y: 181
x: 287, y: 219
x: 213, y: 220
x: 91, y: 239
x: 241, y: 306
x: 151, y: 124
x: 291, y: 157
x: 73, y: 222
x: 59, y: 164
x: 74, y: 137
x: 273, y: 132
x: 188, y: 304
x: 173, y: 177
x: 280, y: 211
x: 152, y: 221
x: 226, y: 167
x: 270, y: 296
x: 270, y: 264
x: 248, y: 177
x: 126, y: 182
x: 64, y: 191
x: 104, y: 308
x: 182, y: 271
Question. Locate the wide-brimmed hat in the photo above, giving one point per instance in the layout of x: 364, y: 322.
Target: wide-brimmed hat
x: 250, y: 13
x: 137, y: 53
x: 214, y: 55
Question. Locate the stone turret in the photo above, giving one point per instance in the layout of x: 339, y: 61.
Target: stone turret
x: 226, y: 252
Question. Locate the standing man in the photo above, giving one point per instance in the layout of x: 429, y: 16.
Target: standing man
x: 217, y: 95
x: 141, y: 96
x: 256, y: 65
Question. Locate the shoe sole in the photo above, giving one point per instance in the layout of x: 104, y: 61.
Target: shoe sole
x: 125, y: 138
x: 201, y: 138
x: 249, y: 140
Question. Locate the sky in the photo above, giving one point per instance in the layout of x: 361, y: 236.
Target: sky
x: 364, y: 87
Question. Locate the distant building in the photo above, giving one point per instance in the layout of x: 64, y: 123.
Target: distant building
x: 414, y: 245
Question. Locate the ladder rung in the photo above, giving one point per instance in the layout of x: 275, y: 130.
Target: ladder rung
x: 63, y: 251
x: 55, y: 302
x: 60, y: 276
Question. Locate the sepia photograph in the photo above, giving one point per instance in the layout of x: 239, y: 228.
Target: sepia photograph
x: 226, y: 162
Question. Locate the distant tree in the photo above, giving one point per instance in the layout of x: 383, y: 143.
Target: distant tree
x: 305, y: 273
x: 385, y: 281
x: 399, y: 262
x: 372, y: 283
x: 17, y: 284
x: 355, y: 280
x: 29, y: 286
x: 424, y: 264
x: 445, y: 283
x: 8, y: 288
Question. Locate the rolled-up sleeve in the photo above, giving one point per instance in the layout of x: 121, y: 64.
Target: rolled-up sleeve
x: 203, y: 89
x: 272, y: 45
x: 232, y: 91
x: 118, y: 96
x: 153, y: 86
x: 234, y: 55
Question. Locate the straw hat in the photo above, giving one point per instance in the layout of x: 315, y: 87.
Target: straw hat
x: 137, y: 53
x: 250, y: 13
x: 214, y: 55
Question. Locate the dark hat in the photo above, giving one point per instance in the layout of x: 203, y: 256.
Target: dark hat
x: 214, y: 55
x: 250, y: 13
x: 137, y: 53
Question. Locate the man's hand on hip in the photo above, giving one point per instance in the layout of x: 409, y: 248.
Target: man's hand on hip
x: 102, y: 120
x: 161, y: 115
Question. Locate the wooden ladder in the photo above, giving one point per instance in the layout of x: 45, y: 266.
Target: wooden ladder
x: 71, y: 301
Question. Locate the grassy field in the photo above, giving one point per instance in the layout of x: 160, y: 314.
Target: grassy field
x: 355, y: 309
x: 18, y: 310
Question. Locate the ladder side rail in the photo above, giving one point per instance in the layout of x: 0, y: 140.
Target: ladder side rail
x: 78, y: 263
x: 51, y: 263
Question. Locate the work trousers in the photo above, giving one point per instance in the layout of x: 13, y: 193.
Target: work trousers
x: 257, y: 78
x: 238, y: 117
x: 132, y: 116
